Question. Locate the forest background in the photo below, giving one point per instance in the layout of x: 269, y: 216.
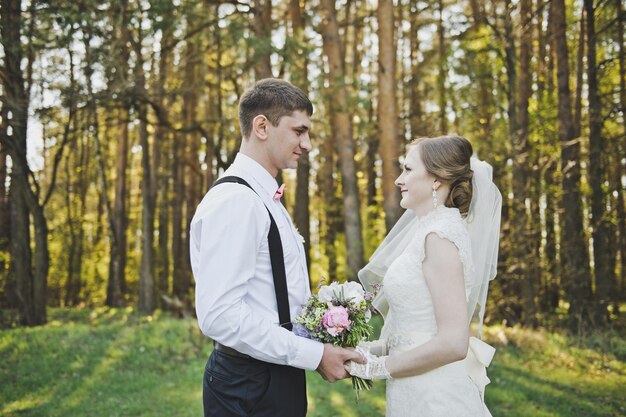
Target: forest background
x: 117, y: 116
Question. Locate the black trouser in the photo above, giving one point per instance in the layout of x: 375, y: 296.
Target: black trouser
x: 245, y: 387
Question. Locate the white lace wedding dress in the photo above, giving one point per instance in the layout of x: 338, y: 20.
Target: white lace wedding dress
x: 447, y: 391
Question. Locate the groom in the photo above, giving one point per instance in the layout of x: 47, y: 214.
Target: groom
x: 250, y: 268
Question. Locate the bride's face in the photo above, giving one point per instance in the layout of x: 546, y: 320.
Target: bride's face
x: 415, y: 183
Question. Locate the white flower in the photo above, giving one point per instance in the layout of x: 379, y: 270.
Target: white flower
x: 328, y: 292
x: 354, y: 292
x: 350, y: 291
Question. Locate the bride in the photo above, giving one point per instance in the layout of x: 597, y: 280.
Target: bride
x: 435, y: 266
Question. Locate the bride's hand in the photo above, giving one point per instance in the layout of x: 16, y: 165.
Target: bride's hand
x: 375, y: 347
x: 373, y: 369
x: 332, y: 366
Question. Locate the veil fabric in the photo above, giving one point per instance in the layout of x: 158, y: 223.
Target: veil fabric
x: 483, y: 225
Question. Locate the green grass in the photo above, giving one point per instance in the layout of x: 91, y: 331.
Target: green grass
x: 112, y: 362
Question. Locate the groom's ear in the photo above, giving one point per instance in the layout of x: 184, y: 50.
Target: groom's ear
x: 259, y: 126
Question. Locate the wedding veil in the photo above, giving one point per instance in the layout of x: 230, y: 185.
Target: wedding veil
x: 483, y: 224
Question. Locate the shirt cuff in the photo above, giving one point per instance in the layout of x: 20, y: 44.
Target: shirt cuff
x: 309, y: 353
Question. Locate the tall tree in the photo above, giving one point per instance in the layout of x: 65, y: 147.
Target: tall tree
x: 262, y: 25
x: 179, y: 271
x: 193, y: 173
x: 545, y: 94
x: 342, y: 130
x: 117, y: 265
x: 191, y: 163
x: 147, y: 292
x: 442, y: 68
x: 7, y: 288
x: 604, y: 274
x: 302, y: 214
x: 31, y: 289
x: 580, y: 57
x: 76, y: 194
x: 621, y: 148
x: 162, y: 165
x: 522, y: 170
x: 330, y: 212
x: 415, y: 104
x: 510, y: 54
x: 387, y: 111
x: 574, y: 256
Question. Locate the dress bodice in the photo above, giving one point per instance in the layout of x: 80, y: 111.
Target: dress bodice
x: 410, y: 304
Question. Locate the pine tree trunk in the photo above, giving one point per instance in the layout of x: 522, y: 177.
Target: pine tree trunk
x: 162, y: 167
x: 262, y: 25
x: 117, y: 267
x: 387, y: 112
x: 180, y: 284
x: 31, y: 279
x: 484, y: 77
x: 342, y: 129
x: 329, y: 206
x: 164, y: 218
x: 574, y: 256
x: 7, y: 282
x: 521, y: 174
x: 511, y: 70
x: 545, y: 92
x: 301, y: 215
x: 373, y: 142
x: 443, y: 72
x: 193, y: 173
x: 578, y: 103
x: 75, y: 194
x: 71, y: 285
x: 147, y: 293
x: 621, y: 149
x: 191, y: 170
x: 604, y: 275
x: 20, y: 269
x: 179, y: 287
x: 415, y: 106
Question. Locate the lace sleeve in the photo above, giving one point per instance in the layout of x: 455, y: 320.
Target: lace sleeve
x: 454, y: 230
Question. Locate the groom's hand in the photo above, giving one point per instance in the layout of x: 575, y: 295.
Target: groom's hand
x: 331, y: 367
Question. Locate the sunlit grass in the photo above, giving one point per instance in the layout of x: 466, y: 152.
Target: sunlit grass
x: 112, y: 362
x: 536, y: 373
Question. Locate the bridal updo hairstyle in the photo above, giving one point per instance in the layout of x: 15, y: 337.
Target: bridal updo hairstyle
x: 447, y: 158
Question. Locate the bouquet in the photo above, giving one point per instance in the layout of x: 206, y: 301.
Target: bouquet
x: 338, y: 314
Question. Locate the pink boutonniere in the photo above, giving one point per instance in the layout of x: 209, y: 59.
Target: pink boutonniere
x: 279, y: 192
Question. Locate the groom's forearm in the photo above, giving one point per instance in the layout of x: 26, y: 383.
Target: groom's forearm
x: 263, y: 339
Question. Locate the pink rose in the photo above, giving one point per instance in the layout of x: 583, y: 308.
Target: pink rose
x: 336, y: 320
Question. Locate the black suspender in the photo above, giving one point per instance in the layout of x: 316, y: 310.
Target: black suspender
x: 276, y: 258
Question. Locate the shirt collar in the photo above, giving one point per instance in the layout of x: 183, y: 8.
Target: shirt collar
x: 257, y: 172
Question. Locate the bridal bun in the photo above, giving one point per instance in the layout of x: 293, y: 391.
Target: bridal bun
x: 447, y: 158
x: 461, y: 194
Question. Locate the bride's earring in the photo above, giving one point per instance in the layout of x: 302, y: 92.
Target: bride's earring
x: 435, y: 204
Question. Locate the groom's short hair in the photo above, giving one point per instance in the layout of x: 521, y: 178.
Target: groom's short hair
x: 273, y: 99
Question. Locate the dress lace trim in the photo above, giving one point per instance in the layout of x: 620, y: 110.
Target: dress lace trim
x: 448, y: 224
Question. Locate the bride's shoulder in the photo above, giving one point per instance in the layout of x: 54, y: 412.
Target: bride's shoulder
x: 446, y: 218
x: 448, y: 224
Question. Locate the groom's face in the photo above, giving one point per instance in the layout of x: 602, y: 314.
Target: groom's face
x: 288, y: 141
x: 415, y: 183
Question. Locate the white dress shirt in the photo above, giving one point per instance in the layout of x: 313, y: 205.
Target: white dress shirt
x: 230, y: 260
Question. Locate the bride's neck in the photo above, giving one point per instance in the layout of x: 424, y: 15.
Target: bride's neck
x: 423, y: 209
